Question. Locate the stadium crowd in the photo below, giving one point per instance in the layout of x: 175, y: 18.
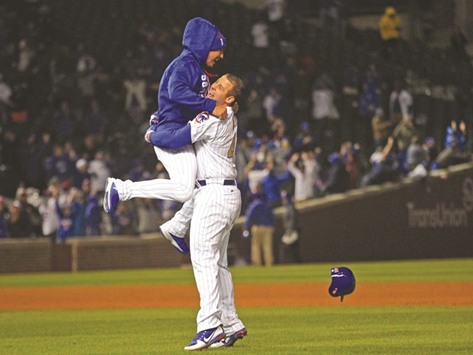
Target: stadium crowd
x: 308, y: 125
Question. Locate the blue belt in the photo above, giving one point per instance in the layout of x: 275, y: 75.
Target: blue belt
x: 227, y: 182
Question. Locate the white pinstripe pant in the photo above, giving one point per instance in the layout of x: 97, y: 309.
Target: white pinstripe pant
x: 214, y: 209
x: 181, y: 165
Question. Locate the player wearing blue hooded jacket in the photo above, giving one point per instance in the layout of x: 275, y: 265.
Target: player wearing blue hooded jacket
x: 184, y: 85
x: 181, y: 96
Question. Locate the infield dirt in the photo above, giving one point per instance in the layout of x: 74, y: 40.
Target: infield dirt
x: 246, y: 295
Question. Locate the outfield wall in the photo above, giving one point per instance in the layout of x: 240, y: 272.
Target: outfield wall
x: 429, y: 218
x: 99, y: 253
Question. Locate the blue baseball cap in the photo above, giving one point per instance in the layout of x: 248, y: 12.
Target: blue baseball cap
x: 219, y: 42
x: 343, y: 282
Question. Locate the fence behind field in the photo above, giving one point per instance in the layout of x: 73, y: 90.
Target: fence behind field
x: 430, y: 218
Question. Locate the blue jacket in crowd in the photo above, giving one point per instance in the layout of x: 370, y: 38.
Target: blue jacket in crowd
x: 259, y: 212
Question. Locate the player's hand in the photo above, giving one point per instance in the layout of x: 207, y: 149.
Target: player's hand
x: 148, y: 135
x: 220, y: 111
x: 153, y: 119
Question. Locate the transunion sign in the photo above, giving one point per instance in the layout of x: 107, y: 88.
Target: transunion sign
x: 450, y: 214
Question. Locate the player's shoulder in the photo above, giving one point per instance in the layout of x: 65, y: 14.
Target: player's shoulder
x: 205, y: 118
x: 202, y: 117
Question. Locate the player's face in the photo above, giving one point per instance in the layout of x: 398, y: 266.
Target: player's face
x: 214, y: 57
x: 219, y: 91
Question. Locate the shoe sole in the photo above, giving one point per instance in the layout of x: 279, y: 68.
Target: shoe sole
x: 239, y: 335
x: 106, y: 196
x: 216, y: 340
x: 169, y: 237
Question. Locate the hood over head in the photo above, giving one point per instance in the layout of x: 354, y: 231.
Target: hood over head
x: 200, y: 37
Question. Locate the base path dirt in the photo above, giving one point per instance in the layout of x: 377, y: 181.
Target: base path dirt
x: 246, y: 295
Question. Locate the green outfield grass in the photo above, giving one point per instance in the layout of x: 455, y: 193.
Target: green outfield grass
x: 392, y: 271
x: 292, y: 330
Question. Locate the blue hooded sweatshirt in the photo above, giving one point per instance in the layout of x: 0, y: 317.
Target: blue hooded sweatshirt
x: 184, y: 84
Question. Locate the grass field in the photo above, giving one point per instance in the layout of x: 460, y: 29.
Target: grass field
x: 340, y: 329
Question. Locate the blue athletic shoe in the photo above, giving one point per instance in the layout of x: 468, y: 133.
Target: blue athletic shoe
x: 111, y: 197
x: 178, y: 242
x: 205, y: 338
x: 230, y: 339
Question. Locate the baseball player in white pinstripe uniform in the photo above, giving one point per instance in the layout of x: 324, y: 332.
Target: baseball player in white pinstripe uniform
x: 211, y: 213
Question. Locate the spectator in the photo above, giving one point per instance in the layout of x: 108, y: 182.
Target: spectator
x: 5, y: 100
x: 381, y: 128
x: 147, y: 215
x: 305, y: 170
x: 431, y: 151
x: 93, y: 216
x: 86, y: 84
x: 47, y: 209
x: 79, y: 205
x: 260, y: 35
x: 32, y: 159
x: 390, y: 32
x: 86, y: 63
x: 400, y: 103
x: 279, y: 146
x: 272, y: 183
x: 403, y: 134
x: 333, y: 16
x: 18, y: 224
x: 290, y: 238
x: 4, y: 216
x: 259, y: 224
x: 276, y: 11
x: 304, y: 139
x: 369, y: 102
x: 253, y: 117
x: 58, y: 165
x: 123, y: 220
x: 325, y: 114
x: 383, y: 166
x: 354, y: 163
x: 455, y: 151
x: 459, y: 42
x: 135, y: 93
x: 416, y: 158
x: 272, y: 104
x: 260, y: 170
x: 337, y: 179
x: 350, y: 101
x: 31, y: 212
x: 67, y: 215
x: 25, y: 57
x: 80, y: 173
x: 95, y: 120
x: 65, y: 121
x: 99, y: 171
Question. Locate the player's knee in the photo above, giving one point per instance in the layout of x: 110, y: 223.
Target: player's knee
x: 185, y: 193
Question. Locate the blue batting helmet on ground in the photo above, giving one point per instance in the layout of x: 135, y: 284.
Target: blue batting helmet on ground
x: 343, y: 282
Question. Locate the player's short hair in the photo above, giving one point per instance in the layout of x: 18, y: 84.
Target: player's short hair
x: 238, y: 85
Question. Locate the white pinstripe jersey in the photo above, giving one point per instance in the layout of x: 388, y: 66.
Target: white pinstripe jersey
x: 215, y: 142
